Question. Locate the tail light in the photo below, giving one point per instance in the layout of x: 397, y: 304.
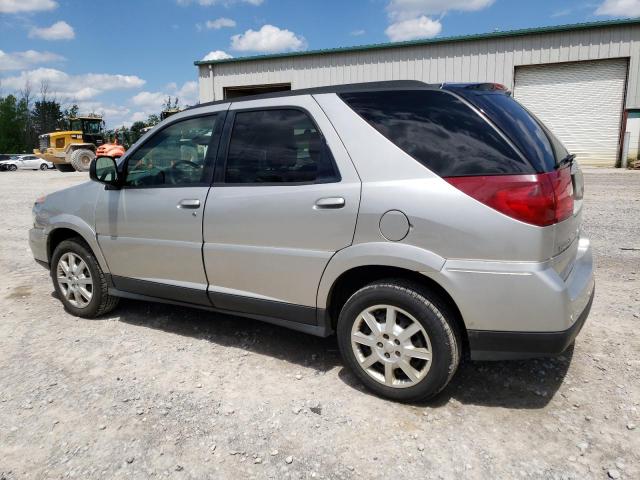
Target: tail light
x: 542, y: 199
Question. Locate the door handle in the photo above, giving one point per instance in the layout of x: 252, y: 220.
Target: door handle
x: 329, y: 203
x: 191, y: 203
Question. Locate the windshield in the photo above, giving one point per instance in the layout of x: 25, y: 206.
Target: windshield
x: 92, y: 126
x: 75, y: 125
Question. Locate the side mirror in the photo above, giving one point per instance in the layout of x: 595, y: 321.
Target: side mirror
x: 104, y: 170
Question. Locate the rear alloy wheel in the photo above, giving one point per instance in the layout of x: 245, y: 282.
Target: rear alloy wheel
x: 43, y: 166
x: 396, y: 353
x: 81, y: 159
x: 399, y: 339
x: 79, y: 281
x: 12, y: 168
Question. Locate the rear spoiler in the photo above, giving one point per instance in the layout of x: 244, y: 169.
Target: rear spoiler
x: 480, y: 87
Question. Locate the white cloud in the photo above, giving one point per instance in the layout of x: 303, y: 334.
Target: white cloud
x: 408, y: 9
x: 411, y: 18
x: 147, y: 103
x: 219, y: 23
x: 26, y: 59
x: 72, y: 87
x: 268, y: 39
x: 23, y: 6
x: 58, y: 31
x: 357, y: 33
x: 216, y: 55
x: 619, y: 8
x: 149, y: 100
x: 210, y: 3
x: 421, y: 27
x: 139, y: 117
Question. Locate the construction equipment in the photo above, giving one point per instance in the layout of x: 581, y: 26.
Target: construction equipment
x: 74, y: 149
x: 168, y: 112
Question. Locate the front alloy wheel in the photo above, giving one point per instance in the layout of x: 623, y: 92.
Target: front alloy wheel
x: 74, y: 280
x: 79, y: 281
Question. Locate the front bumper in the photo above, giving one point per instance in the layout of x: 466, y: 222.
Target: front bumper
x: 38, y: 245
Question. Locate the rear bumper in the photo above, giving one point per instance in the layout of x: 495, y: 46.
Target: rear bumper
x: 522, y: 309
x: 490, y: 345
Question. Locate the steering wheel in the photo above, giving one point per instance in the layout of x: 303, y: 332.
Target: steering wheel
x: 187, y: 162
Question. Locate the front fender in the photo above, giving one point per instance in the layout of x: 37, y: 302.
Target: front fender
x: 82, y: 228
x: 385, y: 254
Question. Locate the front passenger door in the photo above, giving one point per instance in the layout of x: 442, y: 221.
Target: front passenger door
x: 150, y: 230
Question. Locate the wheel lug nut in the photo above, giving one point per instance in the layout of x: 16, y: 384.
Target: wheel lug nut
x: 380, y: 344
x: 385, y: 336
x: 386, y: 355
x: 397, y: 354
x: 396, y: 341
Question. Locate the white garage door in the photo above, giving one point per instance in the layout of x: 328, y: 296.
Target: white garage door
x: 581, y: 102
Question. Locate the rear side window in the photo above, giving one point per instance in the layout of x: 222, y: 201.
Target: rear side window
x: 530, y: 135
x: 276, y: 147
x: 440, y: 131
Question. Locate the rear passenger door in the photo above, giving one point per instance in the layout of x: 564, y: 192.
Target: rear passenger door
x: 30, y: 161
x: 285, y: 198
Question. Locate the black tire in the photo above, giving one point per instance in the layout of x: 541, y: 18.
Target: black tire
x: 64, y: 167
x: 101, y: 302
x: 81, y: 159
x: 12, y: 168
x: 43, y: 166
x: 434, y: 315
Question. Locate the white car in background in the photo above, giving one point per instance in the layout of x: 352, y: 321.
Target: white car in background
x: 25, y: 162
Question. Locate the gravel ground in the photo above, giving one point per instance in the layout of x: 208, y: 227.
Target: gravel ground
x: 159, y: 391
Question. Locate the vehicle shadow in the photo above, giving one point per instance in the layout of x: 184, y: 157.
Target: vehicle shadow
x: 227, y: 330
x: 526, y: 384
x: 515, y: 384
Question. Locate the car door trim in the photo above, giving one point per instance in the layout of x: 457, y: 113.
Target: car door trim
x: 161, y: 290
x: 258, y: 306
x: 296, y: 317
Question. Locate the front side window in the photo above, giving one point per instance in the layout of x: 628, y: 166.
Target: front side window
x: 276, y: 147
x: 176, y: 155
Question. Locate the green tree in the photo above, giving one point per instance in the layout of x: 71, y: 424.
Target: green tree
x: 152, y: 120
x: 11, y: 125
x: 136, y: 131
x: 68, y: 114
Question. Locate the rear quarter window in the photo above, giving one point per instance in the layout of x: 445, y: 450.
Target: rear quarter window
x: 440, y: 131
x: 529, y: 134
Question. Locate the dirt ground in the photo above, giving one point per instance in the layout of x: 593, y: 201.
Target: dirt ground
x: 154, y: 391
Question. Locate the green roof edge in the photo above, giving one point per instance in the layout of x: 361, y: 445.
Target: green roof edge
x: 431, y: 41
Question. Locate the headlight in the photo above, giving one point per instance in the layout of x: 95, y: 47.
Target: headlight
x: 40, y: 200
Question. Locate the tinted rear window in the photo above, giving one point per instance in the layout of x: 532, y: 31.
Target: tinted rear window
x: 438, y: 130
x: 537, y: 143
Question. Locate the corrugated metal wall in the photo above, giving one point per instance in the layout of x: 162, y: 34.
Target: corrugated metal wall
x: 491, y: 60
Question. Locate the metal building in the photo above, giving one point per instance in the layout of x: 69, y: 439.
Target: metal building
x: 581, y: 80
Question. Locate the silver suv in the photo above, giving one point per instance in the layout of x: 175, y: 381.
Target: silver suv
x: 419, y: 223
